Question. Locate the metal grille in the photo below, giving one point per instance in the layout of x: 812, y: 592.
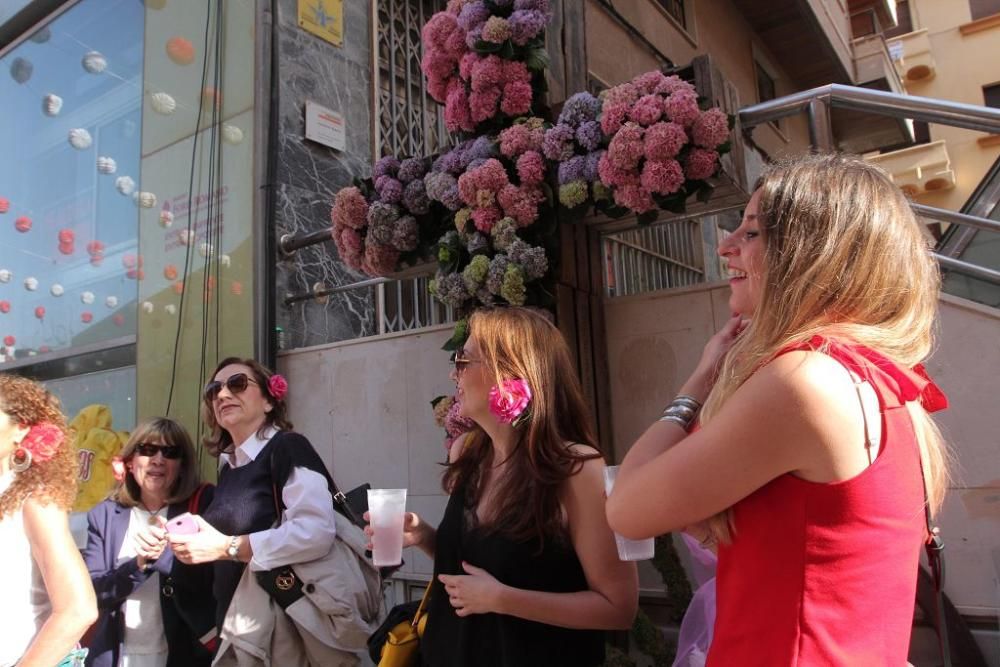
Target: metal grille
x: 676, y: 9
x: 652, y: 258
x: 408, y: 123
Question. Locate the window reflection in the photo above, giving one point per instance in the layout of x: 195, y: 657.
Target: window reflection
x: 71, y: 96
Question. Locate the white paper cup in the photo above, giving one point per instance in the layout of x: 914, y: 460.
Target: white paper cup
x: 627, y: 549
x: 386, y: 508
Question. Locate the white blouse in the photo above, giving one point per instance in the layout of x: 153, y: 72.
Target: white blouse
x: 145, y: 639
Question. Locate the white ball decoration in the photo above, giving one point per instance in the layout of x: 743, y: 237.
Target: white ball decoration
x: 56, y: 289
x: 147, y: 307
x: 231, y: 134
x: 31, y: 283
x: 111, y: 302
x: 87, y: 298
x: 166, y: 219
x: 163, y: 103
x: 170, y: 308
x: 94, y: 62
x: 80, y: 139
x: 52, y: 104
x: 5, y: 276
x: 184, y: 236
x: 106, y: 165
x: 225, y: 260
x: 205, y: 249
x: 147, y: 199
x: 125, y: 185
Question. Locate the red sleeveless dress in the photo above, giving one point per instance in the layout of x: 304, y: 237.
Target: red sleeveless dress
x: 826, y: 574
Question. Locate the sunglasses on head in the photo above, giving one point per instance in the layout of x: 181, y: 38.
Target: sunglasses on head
x: 149, y: 449
x: 236, y: 383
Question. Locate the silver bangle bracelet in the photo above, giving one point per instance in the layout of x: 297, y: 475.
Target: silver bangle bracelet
x: 680, y: 421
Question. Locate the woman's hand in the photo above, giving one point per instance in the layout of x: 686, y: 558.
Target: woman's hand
x: 416, y: 533
x: 715, y: 351
x: 149, y: 544
x: 477, y: 592
x: 205, y: 546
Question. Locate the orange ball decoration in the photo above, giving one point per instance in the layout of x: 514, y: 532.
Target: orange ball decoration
x: 86, y: 317
x: 211, y: 97
x: 22, y: 224
x: 9, y: 341
x: 236, y: 288
x: 180, y: 51
x: 4, y: 204
x: 66, y: 236
x: 170, y: 272
x: 179, y: 287
x: 4, y: 307
x: 67, y: 248
x: 119, y: 320
x: 40, y: 312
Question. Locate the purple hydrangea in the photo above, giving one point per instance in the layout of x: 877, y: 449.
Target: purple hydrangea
x: 415, y: 198
x: 477, y: 243
x: 533, y: 5
x: 387, y: 166
x: 579, y: 109
x: 572, y: 169
x: 590, y: 170
x: 389, y: 189
x: 482, y: 148
x: 494, y: 279
x: 474, y: 36
x: 381, y: 211
x: 525, y: 25
x: 405, y: 234
x: 451, y: 290
x: 558, y: 144
x: 531, y: 258
x: 589, y: 135
x: 473, y: 15
x: 411, y: 169
x: 450, y: 162
x: 381, y: 231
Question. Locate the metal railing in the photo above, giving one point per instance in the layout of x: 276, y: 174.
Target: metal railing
x: 652, y: 258
x: 817, y: 103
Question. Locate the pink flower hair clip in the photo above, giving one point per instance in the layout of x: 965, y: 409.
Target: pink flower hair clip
x: 509, y: 402
x: 277, y: 386
x: 42, y: 441
x: 118, y: 468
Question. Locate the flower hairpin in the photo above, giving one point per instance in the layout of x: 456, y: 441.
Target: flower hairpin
x: 42, y: 441
x: 509, y: 402
x: 118, y: 468
x: 277, y: 386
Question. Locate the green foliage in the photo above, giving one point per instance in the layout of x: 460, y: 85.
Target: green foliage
x: 458, y: 337
x: 651, y: 641
x: 615, y: 657
x: 668, y: 564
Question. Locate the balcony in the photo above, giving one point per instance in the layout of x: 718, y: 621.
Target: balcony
x: 911, y: 54
x: 810, y: 38
x: 919, y: 169
x: 859, y: 132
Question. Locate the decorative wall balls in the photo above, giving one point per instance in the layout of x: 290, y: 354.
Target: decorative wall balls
x: 93, y: 62
x: 106, y: 165
x: 4, y: 204
x: 52, y: 104
x: 147, y: 199
x: 57, y: 290
x: 231, y: 134
x: 111, y: 302
x: 125, y: 185
x: 166, y: 218
x: 31, y: 283
x: 87, y: 298
x: 86, y: 317
x: 80, y: 139
x: 180, y: 50
x: 162, y: 103
x: 23, y: 224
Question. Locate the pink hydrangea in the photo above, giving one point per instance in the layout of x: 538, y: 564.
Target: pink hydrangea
x: 662, y: 178
x: 635, y: 198
x: 350, y: 247
x: 487, y: 72
x: 648, y: 82
x: 647, y: 110
x: 521, y: 203
x: 496, y: 30
x: 612, y: 117
x: 515, y: 70
x: 625, y: 93
x: 613, y: 176
x: 379, y: 260
x: 485, y: 218
x: 490, y: 176
x: 350, y: 209
x: 456, y: 111
x: 483, y: 104
x: 671, y: 84
x: 626, y: 148
x: 682, y: 107
x: 531, y: 168
x: 664, y: 141
x: 516, y: 99
x: 520, y: 138
x: 711, y: 129
x: 701, y: 163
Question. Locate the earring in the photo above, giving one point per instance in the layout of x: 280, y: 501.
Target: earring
x: 20, y: 460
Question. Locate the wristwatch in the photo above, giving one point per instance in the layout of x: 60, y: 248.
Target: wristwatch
x: 233, y: 550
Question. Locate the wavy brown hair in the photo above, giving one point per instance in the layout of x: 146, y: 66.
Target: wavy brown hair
x: 218, y: 438
x: 519, y: 343
x: 845, y: 259
x: 54, y: 481
x: 164, y: 431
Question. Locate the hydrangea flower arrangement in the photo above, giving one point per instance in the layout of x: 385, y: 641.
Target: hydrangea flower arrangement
x: 485, y: 59
x: 576, y: 144
x: 662, y: 144
x: 378, y: 224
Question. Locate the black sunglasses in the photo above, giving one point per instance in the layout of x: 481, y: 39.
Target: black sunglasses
x: 149, y: 449
x: 236, y: 384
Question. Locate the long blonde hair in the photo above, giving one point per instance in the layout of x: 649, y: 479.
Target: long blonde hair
x: 845, y: 258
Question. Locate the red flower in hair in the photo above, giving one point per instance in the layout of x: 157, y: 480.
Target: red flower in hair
x: 118, y: 468
x: 43, y: 441
x: 277, y: 386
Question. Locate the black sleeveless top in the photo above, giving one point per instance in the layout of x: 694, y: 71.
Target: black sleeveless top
x: 244, y: 501
x: 497, y: 640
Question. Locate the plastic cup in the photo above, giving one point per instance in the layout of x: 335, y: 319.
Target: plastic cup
x: 627, y: 549
x: 386, y: 508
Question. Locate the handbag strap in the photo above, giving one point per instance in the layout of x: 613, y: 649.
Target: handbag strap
x: 423, y: 605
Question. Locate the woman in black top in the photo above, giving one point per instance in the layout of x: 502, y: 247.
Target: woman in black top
x: 526, y: 569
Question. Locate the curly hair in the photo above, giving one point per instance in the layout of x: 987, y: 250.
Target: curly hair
x: 54, y: 481
x: 218, y: 438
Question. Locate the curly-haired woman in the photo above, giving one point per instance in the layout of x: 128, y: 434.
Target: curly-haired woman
x: 48, y: 601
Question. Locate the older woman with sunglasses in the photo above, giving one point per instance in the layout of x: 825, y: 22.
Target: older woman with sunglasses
x: 264, y: 468
x: 154, y: 610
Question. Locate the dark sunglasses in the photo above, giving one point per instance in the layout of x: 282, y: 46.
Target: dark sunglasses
x: 236, y: 383
x: 462, y: 362
x: 149, y: 449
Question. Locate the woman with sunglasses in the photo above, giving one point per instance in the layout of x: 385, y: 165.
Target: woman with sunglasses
x: 264, y: 468
x: 46, y: 601
x: 155, y: 611
x: 525, y: 567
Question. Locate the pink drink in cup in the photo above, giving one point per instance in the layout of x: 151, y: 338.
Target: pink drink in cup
x: 386, y: 508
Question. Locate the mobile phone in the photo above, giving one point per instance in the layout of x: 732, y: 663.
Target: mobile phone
x: 183, y: 524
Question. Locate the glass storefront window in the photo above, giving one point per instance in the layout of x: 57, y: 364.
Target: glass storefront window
x: 70, y: 106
